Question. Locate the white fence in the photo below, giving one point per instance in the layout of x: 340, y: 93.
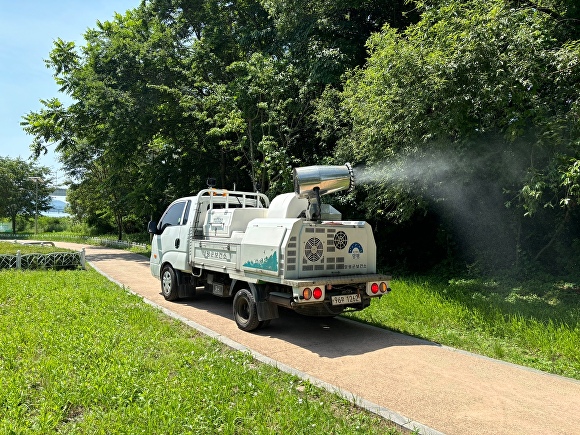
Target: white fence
x: 84, y: 239
x: 54, y: 260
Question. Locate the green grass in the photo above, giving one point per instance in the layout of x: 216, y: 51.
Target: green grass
x: 78, y: 354
x: 142, y: 250
x: 536, y: 323
x: 11, y: 248
x: 78, y: 238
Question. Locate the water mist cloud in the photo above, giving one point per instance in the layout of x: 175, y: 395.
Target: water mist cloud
x: 466, y: 191
x: 407, y: 170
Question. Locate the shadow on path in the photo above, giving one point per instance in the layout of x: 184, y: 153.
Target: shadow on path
x: 327, y: 337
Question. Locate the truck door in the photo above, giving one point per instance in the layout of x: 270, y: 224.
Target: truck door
x: 172, y: 244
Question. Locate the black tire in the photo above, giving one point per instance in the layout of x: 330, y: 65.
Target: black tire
x: 245, y: 311
x: 169, y: 284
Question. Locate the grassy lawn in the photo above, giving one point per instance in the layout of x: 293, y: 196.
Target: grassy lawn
x: 535, y: 323
x: 78, y: 354
x: 11, y: 248
x: 532, y: 323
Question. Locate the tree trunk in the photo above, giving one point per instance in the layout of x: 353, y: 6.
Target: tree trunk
x: 223, y: 168
x: 252, y: 159
x: 119, y: 220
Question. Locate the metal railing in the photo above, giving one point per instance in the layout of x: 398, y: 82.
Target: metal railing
x: 115, y: 243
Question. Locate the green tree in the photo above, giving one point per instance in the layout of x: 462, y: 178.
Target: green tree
x: 327, y: 38
x: 477, y: 97
x: 26, y: 188
x: 123, y: 120
x: 175, y: 91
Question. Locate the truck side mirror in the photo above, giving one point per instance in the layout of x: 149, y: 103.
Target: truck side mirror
x: 152, y: 227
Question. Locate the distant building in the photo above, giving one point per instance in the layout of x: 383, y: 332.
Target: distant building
x: 57, y: 203
x: 61, y: 191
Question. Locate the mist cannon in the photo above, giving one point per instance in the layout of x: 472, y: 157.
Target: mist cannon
x: 311, y: 182
x: 322, y: 179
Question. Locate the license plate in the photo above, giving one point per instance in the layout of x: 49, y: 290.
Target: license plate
x: 345, y: 299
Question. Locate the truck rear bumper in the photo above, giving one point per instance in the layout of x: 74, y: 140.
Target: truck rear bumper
x: 335, y: 280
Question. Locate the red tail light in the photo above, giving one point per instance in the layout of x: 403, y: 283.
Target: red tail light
x: 374, y: 287
x: 317, y: 293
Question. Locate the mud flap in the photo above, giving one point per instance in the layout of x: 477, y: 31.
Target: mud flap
x: 267, y: 310
x: 185, y: 285
x: 185, y: 291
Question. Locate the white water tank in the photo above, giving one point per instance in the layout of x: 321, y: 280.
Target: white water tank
x: 287, y: 205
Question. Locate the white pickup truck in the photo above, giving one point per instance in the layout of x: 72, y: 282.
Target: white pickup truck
x: 294, y: 252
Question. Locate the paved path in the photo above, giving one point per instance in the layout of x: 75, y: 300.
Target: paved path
x: 451, y: 391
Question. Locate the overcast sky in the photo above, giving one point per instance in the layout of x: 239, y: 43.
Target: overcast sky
x: 27, y: 31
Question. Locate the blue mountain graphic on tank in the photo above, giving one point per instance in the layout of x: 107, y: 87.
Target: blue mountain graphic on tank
x: 267, y: 263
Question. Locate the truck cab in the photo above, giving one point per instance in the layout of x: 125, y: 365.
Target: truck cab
x: 196, y: 217
x: 172, y: 232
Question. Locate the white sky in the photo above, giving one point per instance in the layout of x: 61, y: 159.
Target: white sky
x: 27, y: 31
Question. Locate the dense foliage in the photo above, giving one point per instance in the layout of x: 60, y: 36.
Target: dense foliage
x: 461, y: 116
x: 472, y: 114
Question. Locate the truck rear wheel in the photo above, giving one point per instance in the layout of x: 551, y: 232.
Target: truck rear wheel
x: 245, y: 311
x: 169, y: 284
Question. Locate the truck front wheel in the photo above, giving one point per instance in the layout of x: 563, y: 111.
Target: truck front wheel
x: 245, y: 311
x: 169, y: 283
